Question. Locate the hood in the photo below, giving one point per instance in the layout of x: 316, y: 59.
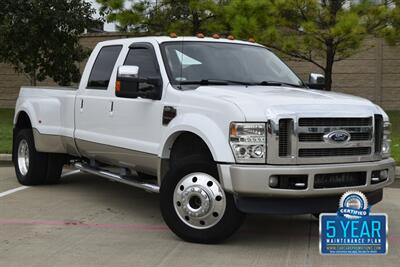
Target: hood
x: 261, y: 102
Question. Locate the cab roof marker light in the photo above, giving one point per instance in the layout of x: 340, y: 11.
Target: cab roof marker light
x: 173, y: 35
x: 200, y: 35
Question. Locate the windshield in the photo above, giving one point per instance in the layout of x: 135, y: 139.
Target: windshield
x: 223, y: 63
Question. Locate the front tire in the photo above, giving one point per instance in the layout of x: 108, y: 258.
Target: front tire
x: 194, y: 205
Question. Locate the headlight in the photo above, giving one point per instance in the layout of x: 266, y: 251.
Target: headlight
x: 247, y: 141
x: 386, y: 142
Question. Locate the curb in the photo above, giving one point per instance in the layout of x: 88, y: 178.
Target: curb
x: 7, y: 158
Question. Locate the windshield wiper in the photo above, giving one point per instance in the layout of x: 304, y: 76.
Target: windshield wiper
x: 213, y: 82
x: 276, y: 83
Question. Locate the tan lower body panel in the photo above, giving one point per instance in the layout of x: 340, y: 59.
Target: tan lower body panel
x: 54, y: 143
x: 117, y: 156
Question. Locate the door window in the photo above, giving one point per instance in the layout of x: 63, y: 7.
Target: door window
x: 143, y: 56
x: 103, y: 66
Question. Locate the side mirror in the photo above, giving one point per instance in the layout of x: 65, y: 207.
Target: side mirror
x: 130, y: 85
x: 316, y: 81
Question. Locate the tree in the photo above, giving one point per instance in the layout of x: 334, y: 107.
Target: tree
x: 392, y: 31
x: 193, y: 16
x: 164, y: 16
x: 137, y: 18
x: 321, y: 32
x: 41, y: 38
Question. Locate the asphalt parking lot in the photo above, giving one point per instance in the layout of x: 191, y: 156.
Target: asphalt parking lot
x: 89, y: 221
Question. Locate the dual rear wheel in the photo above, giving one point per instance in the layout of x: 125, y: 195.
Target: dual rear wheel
x: 33, y: 167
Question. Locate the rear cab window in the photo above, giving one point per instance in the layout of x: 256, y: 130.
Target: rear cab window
x: 103, y: 66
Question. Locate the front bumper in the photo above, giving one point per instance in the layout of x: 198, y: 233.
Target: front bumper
x: 253, y: 180
x: 307, y: 205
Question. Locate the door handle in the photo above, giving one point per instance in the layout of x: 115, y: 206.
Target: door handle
x: 112, y: 108
x: 81, y: 104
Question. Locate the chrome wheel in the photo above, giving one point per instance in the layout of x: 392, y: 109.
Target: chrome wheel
x: 199, y: 200
x: 23, y: 157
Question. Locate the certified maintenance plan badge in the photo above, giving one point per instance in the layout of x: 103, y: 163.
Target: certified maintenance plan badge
x: 353, y: 229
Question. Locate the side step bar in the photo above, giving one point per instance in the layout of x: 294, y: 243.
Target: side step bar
x: 115, y: 177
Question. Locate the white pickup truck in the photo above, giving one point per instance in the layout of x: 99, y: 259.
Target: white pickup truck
x: 218, y: 127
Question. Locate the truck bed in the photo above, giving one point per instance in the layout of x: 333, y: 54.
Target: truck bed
x: 51, y: 111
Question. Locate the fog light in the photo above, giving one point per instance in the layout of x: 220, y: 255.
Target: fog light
x: 273, y: 181
x: 379, y: 176
x: 384, y: 174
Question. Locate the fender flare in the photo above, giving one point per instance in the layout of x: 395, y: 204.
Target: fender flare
x: 212, y: 134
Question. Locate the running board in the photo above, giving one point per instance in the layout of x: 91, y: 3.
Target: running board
x: 115, y: 177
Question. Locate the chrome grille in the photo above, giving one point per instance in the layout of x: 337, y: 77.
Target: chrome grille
x: 301, y: 140
x: 312, y: 131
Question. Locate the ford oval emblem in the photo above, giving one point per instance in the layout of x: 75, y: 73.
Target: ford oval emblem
x: 339, y: 136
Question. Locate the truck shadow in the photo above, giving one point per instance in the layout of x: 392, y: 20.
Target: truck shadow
x: 132, y: 202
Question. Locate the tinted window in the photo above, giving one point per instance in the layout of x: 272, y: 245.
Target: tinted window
x: 145, y: 59
x: 196, y: 61
x: 103, y: 67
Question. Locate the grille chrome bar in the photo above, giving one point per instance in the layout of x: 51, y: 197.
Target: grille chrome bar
x: 319, y: 137
x: 326, y: 129
x: 323, y: 145
x: 334, y: 152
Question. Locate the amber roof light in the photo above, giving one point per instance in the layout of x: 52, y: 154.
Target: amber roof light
x: 200, y: 35
x: 173, y: 35
x: 231, y: 37
x: 216, y: 36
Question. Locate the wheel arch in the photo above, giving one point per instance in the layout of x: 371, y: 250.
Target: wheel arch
x: 22, y: 120
x: 213, y: 141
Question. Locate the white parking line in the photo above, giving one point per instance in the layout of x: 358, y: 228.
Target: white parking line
x: 9, y: 192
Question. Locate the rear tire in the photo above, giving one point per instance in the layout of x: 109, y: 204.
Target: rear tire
x: 33, y: 167
x: 54, y: 168
x: 30, y: 165
x: 194, y: 205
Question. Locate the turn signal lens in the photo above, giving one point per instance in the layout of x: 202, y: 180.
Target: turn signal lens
x: 386, y: 142
x: 118, y: 86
